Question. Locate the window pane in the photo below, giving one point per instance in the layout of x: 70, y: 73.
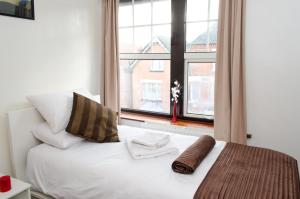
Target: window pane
x: 201, y: 77
x: 161, y: 40
x: 125, y: 83
x: 142, y: 12
x: 144, y: 89
x: 145, y: 37
x: 212, y: 36
x: 142, y: 39
x: 196, y: 37
x: 157, y: 66
x: 214, y: 9
x: 201, y: 35
x: 126, y: 40
x: 162, y: 11
x: 125, y: 14
x: 197, y: 10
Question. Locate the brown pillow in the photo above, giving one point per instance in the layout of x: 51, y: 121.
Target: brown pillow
x: 92, y: 121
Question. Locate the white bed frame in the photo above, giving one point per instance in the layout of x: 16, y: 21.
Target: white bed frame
x: 21, y: 123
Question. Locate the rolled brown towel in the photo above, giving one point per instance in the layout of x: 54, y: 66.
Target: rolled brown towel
x: 190, y: 159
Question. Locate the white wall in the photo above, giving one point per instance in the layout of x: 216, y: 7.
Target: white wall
x: 273, y: 74
x: 60, y: 50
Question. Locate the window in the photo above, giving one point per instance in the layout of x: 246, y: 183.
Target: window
x: 142, y: 89
x: 145, y: 43
x: 151, y: 90
x: 200, y: 89
x: 151, y: 96
x: 200, y: 52
x: 149, y: 61
x: 157, y: 66
x: 201, y: 25
x: 145, y: 26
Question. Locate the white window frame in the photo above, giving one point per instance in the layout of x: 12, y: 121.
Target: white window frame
x: 140, y: 56
x: 195, y: 58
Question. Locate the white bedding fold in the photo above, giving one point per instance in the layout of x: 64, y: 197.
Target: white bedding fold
x: 138, y: 152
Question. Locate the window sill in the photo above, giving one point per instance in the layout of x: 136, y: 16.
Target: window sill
x: 139, y: 117
x: 163, y: 120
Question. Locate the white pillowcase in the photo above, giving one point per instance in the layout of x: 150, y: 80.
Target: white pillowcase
x: 61, y: 140
x: 56, y: 108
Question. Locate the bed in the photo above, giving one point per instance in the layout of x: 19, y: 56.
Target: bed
x: 90, y: 170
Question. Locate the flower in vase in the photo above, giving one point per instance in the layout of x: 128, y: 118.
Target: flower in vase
x: 175, y: 91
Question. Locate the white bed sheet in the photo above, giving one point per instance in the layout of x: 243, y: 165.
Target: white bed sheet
x: 96, y: 171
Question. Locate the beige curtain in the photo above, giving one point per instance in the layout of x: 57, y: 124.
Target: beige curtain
x: 229, y: 84
x: 111, y: 54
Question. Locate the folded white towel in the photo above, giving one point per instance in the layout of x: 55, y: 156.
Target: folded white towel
x: 141, y: 153
x: 151, y: 140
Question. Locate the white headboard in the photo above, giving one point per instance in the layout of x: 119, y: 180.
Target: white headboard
x: 21, y: 123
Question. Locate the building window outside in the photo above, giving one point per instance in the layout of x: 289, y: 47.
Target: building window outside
x: 157, y: 66
x: 151, y: 95
x: 151, y: 90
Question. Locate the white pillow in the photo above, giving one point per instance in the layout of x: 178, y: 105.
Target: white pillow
x: 61, y: 140
x: 56, y: 107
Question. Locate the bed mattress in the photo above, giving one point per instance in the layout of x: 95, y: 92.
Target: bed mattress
x: 90, y: 170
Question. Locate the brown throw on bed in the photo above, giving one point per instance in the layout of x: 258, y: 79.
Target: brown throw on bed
x: 244, y: 172
x: 190, y: 159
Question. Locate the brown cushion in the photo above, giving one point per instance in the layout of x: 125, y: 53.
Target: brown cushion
x: 191, y: 158
x: 92, y: 120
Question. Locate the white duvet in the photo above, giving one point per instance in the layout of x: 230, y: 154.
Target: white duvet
x: 107, y: 171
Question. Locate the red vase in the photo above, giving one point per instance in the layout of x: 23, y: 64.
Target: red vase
x: 174, y: 118
x: 5, y: 184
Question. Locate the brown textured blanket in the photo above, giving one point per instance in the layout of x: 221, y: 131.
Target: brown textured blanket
x: 243, y: 172
x: 190, y: 159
